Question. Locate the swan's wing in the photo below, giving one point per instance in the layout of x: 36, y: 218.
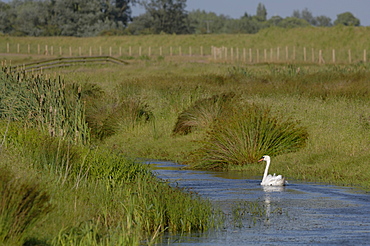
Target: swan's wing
x: 276, y: 180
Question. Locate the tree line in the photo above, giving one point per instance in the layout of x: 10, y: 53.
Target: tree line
x: 114, y: 17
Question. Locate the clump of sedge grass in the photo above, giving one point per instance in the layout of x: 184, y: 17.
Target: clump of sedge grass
x: 245, y: 134
x: 22, y: 204
x: 106, y: 113
x: 202, y: 113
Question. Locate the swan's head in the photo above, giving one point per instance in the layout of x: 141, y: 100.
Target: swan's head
x: 264, y: 158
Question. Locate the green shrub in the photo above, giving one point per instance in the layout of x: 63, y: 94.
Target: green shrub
x: 247, y: 133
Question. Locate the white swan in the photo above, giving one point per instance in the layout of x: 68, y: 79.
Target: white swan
x: 271, y: 180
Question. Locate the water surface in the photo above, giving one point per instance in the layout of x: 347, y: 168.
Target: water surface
x: 298, y: 214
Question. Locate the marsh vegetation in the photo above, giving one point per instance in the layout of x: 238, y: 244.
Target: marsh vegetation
x: 70, y: 138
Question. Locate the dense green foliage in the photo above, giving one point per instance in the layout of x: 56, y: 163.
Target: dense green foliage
x: 114, y: 17
x: 63, y: 18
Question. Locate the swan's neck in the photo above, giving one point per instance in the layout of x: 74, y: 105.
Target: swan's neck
x: 266, y: 170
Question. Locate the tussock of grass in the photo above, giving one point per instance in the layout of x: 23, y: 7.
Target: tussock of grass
x: 107, y: 113
x: 23, y: 203
x: 202, y: 113
x: 246, y: 133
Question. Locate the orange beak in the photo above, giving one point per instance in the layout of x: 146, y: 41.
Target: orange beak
x: 261, y: 159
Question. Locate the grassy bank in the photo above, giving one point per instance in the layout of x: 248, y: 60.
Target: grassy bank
x: 59, y: 188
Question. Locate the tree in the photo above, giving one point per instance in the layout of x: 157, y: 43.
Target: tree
x: 206, y: 22
x: 305, y: 15
x: 261, y: 12
x: 347, y: 19
x: 291, y: 22
x: 274, y: 20
x: 323, y: 21
x: 7, y: 17
x: 118, y: 11
x: 168, y: 16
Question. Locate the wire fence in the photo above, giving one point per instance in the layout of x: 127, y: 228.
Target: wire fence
x: 220, y: 54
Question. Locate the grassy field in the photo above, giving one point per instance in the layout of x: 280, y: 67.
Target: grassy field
x: 133, y: 110
x: 332, y: 102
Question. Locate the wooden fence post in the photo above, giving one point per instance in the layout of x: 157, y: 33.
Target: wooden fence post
x: 349, y: 56
x: 250, y: 55
x: 271, y: 54
x: 110, y: 51
x: 17, y: 48
x: 79, y: 51
x: 70, y: 51
x: 265, y: 55
x: 100, y: 51
x: 258, y: 55
x: 321, y: 59
x: 244, y: 55
x: 29, y: 48
x: 130, y: 51
x: 60, y: 50
x: 90, y: 51
x: 364, y: 55
x: 7, y: 48
x: 120, y: 51
x: 333, y: 54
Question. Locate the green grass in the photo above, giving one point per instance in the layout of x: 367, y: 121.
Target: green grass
x: 98, y: 196
x: 330, y: 101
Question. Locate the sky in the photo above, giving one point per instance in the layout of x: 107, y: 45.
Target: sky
x: 284, y: 8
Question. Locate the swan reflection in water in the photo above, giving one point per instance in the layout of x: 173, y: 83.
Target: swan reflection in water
x: 269, y: 190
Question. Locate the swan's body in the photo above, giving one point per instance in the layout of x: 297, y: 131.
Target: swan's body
x: 268, y: 179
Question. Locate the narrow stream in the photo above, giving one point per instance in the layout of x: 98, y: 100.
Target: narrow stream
x: 298, y: 214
